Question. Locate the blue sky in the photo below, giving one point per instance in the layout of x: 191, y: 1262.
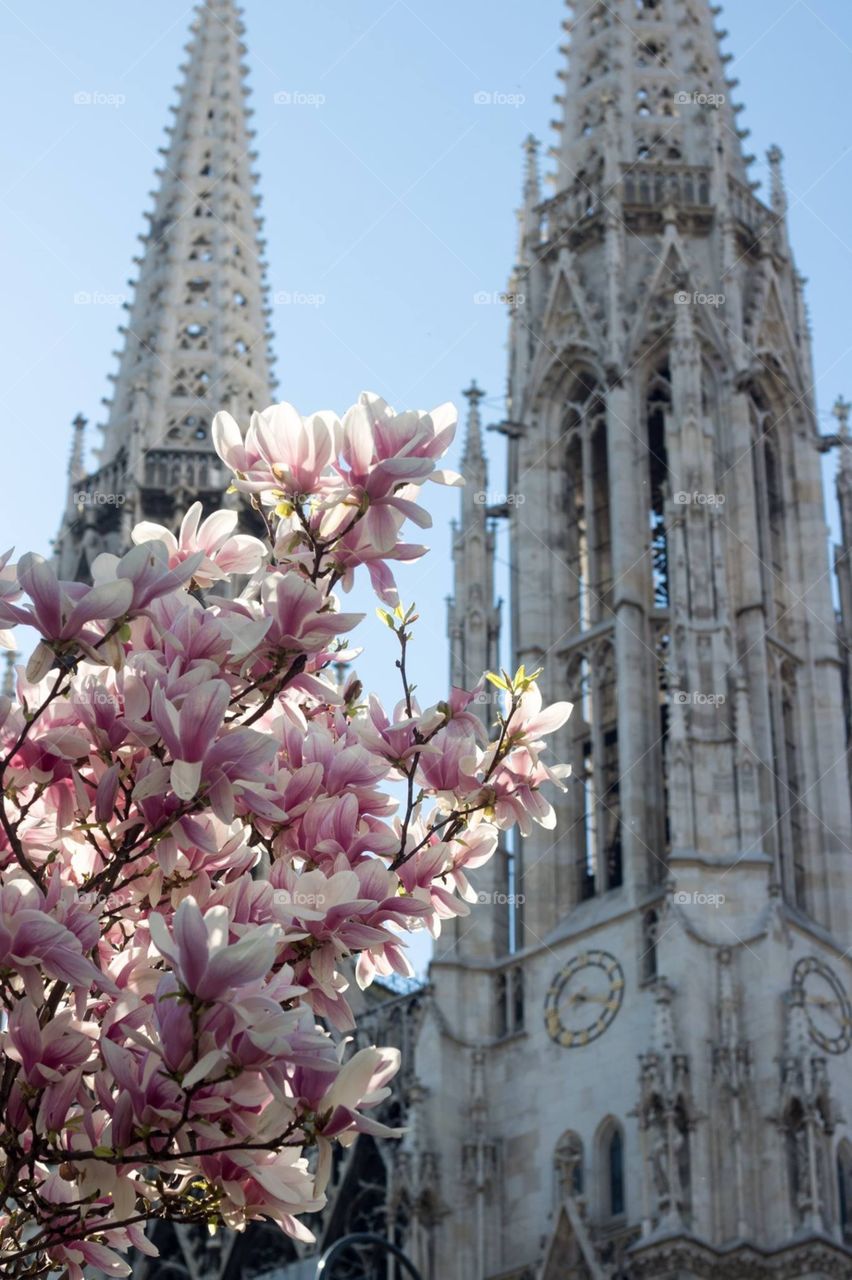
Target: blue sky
x: 393, y: 200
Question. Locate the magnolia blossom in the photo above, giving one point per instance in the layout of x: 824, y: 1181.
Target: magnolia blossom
x: 203, y: 843
x: 224, y: 550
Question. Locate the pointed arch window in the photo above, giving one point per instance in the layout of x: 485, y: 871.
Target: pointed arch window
x: 596, y: 826
x: 612, y: 1189
x: 615, y: 1172
x: 658, y: 407
x: 770, y: 501
x: 589, y: 558
x: 509, y: 1001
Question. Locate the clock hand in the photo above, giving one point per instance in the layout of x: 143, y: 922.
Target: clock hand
x: 824, y: 1002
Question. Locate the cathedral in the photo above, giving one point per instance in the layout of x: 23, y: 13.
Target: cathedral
x: 633, y: 1061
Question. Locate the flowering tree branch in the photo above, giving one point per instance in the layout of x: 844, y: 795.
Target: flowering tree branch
x: 198, y: 835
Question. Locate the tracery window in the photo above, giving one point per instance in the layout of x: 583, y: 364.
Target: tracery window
x: 776, y: 572
x: 589, y: 556
x: 652, y: 52
x: 658, y: 406
x: 770, y: 501
x: 612, y: 1194
x: 596, y: 826
x: 509, y: 1001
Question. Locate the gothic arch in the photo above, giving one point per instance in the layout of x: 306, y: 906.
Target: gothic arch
x: 585, y: 454
x: 564, y: 380
x: 610, y: 1173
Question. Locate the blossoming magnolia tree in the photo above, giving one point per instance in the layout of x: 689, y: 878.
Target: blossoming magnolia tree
x: 197, y: 835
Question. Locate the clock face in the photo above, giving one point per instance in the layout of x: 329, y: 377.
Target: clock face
x: 827, y: 1006
x: 583, y: 998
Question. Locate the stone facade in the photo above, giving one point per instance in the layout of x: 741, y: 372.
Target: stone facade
x: 652, y: 1083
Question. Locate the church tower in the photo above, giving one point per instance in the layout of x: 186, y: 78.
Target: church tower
x: 651, y: 1080
x: 196, y: 338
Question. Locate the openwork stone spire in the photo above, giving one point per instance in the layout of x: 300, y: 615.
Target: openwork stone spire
x: 197, y: 338
x: 659, y: 64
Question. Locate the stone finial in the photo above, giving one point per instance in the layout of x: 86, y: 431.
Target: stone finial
x: 841, y: 409
x: 529, y: 221
x: 532, y: 186
x: 473, y: 449
x: 76, y: 464
x: 777, y: 190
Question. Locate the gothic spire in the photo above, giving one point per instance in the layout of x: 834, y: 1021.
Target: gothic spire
x: 532, y: 193
x: 473, y: 627
x: 76, y: 459
x: 529, y: 219
x: 473, y: 450
x: 197, y: 337
x: 660, y: 63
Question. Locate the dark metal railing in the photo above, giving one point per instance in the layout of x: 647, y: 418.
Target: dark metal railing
x: 381, y: 1252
